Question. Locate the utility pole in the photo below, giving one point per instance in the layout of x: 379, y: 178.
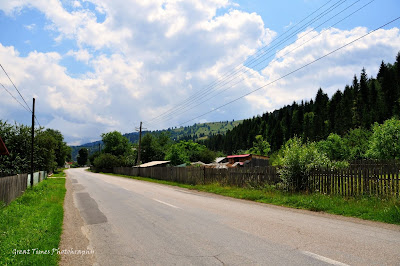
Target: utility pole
x: 33, y: 139
x: 140, y: 144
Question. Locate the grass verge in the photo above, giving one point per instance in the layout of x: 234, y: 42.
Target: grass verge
x: 31, y: 226
x: 365, y: 207
x: 59, y: 173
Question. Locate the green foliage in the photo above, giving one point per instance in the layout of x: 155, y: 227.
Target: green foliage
x: 189, y: 151
x: 50, y: 150
x: 334, y: 147
x: 106, y: 161
x: 34, y: 220
x: 357, y: 141
x: 115, y: 143
x: 177, y: 155
x: 153, y: 148
x: 385, y: 140
x: 260, y: 146
x: 83, y: 156
x: 298, y: 160
x: 365, y: 101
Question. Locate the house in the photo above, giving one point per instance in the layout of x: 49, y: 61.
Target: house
x: 154, y: 164
x: 248, y: 160
x: 3, y: 148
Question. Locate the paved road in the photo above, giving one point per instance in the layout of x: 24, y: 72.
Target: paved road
x: 131, y: 222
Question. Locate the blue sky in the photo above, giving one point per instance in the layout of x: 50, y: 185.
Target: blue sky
x: 96, y: 66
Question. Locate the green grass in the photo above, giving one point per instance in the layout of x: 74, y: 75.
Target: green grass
x: 59, y: 172
x: 365, y: 207
x: 33, y: 221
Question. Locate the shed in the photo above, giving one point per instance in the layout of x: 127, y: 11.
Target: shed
x: 154, y: 164
x: 3, y: 148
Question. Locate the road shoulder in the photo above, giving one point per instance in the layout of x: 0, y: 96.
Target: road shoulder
x: 73, y: 240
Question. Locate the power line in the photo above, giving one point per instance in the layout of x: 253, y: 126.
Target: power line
x: 192, y: 100
x: 27, y: 106
x: 260, y: 51
x: 15, y: 87
x: 15, y: 98
x: 294, y: 71
x: 187, y: 108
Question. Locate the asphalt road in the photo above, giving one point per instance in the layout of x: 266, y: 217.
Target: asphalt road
x: 129, y: 222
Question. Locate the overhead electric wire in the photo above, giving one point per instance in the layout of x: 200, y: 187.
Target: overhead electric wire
x: 23, y: 106
x: 166, y: 118
x: 229, y: 73
x: 16, y: 88
x: 182, y: 108
x: 294, y: 71
x: 27, y: 106
x: 247, y: 68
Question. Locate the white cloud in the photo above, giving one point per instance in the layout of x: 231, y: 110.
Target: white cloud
x: 147, y: 56
x: 80, y: 55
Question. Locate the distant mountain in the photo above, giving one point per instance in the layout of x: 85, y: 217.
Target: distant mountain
x: 196, y: 132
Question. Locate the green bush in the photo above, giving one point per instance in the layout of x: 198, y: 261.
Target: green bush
x: 107, y: 161
x: 298, y: 160
x: 385, y: 140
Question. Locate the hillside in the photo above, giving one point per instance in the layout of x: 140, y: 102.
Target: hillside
x: 196, y: 132
x: 366, y: 101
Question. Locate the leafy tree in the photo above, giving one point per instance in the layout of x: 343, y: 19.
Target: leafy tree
x: 177, y: 155
x: 260, y: 146
x: 334, y: 147
x: 83, y: 156
x: 151, y: 149
x: 385, y: 140
x: 358, y: 142
x: 115, y: 143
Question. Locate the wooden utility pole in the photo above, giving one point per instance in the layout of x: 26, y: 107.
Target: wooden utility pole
x: 33, y: 139
x: 140, y: 142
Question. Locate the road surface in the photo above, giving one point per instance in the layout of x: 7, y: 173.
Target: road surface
x: 130, y: 222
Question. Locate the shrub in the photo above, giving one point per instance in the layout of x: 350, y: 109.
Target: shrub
x: 385, y: 140
x: 298, y: 160
x: 106, y: 161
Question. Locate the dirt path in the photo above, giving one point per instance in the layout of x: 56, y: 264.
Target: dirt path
x: 73, y: 240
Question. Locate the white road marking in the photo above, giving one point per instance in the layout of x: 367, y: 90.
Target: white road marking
x: 324, y: 259
x: 173, y: 206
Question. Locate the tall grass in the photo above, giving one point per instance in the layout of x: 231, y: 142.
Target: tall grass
x: 32, y: 224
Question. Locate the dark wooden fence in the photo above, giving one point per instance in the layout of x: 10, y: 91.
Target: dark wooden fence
x: 255, y: 176
x: 12, y: 187
x: 354, y: 181
x: 377, y: 178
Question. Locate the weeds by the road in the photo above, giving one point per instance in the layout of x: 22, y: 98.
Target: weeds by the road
x: 59, y: 172
x: 365, y: 207
x: 31, y: 226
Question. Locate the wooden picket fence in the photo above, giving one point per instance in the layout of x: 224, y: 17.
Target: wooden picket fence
x: 377, y: 178
x: 256, y: 176
x: 355, y: 181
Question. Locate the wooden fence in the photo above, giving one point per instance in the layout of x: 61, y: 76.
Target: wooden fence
x: 255, y: 176
x: 11, y: 187
x: 360, y: 178
x: 355, y: 181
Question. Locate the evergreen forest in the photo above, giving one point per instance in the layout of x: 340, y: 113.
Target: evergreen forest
x: 352, y: 111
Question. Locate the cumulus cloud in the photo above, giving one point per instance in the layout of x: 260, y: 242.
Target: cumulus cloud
x: 145, y: 57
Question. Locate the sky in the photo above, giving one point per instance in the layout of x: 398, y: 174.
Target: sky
x: 97, y: 66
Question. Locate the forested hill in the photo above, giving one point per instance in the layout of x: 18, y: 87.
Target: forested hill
x: 195, y: 132
x: 359, y: 105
